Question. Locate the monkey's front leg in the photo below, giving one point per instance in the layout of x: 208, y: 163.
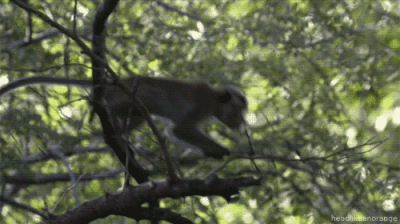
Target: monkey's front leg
x: 194, y: 137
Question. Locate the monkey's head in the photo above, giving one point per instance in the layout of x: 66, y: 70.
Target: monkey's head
x: 231, y: 104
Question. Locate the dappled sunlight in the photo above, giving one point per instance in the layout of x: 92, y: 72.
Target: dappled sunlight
x: 381, y: 122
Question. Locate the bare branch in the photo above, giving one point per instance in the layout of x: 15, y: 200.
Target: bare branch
x: 39, y: 37
x: 172, y: 8
x: 71, y: 174
x: 20, y: 178
x: 131, y: 198
x: 45, y: 154
x: 22, y: 206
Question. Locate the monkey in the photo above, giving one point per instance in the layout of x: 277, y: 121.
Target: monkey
x: 185, y: 103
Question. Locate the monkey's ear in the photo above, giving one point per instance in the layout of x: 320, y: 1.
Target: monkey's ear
x: 225, y: 96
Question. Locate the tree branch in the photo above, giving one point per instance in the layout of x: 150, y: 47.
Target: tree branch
x: 23, y: 179
x: 16, y: 204
x: 130, y: 199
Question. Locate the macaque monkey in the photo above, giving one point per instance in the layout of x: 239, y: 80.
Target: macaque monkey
x: 186, y: 104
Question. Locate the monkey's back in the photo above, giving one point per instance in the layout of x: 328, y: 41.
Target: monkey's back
x: 173, y: 99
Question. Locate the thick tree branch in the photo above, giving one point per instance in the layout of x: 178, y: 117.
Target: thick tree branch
x: 129, y: 200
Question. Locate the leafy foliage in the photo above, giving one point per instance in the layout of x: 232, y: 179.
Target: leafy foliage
x: 321, y: 77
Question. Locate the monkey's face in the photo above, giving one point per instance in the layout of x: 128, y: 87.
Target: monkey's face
x: 232, y: 103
